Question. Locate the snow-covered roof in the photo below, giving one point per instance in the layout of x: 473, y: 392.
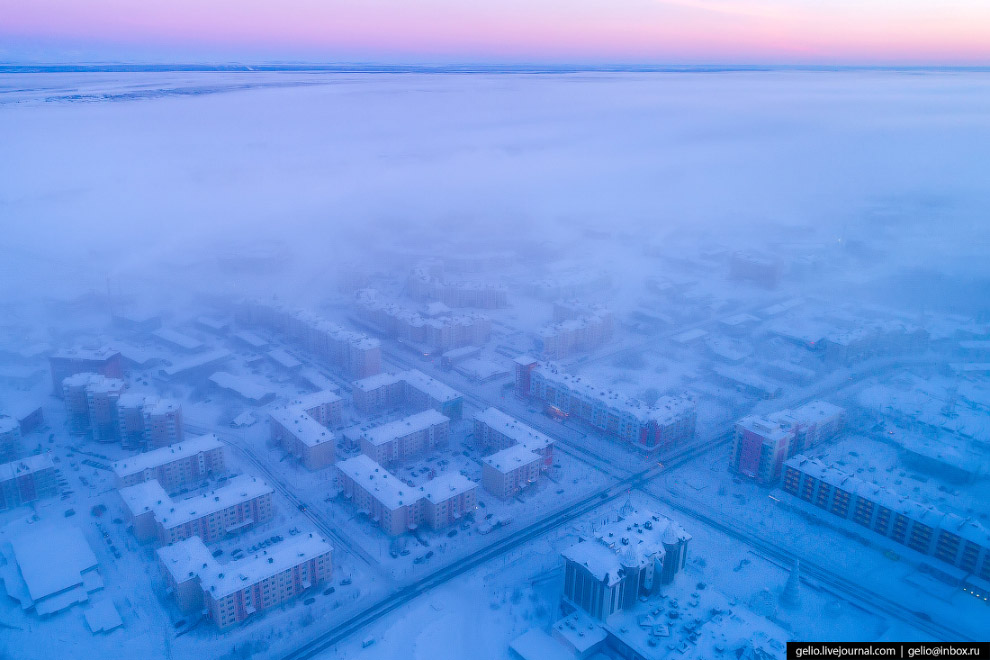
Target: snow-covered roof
x: 514, y: 429
x: 310, y: 401
x: 103, y: 616
x: 196, y: 362
x: 763, y: 427
x: 176, y: 338
x: 306, y: 429
x: 430, y: 386
x: 186, y: 559
x: 667, y: 409
x: 25, y: 465
x: 535, y: 644
x: 247, y: 387
x: 8, y: 424
x: 372, y: 383
x: 379, y: 482
x: 966, y: 528
x: 150, y: 496
x: 52, y: 558
x: 511, y: 458
x: 284, y: 359
x: 230, y: 578
x: 421, y: 421
x: 250, y: 339
x: 634, y: 541
x: 445, y: 486
x: 156, y: 457
x: 96, y: 354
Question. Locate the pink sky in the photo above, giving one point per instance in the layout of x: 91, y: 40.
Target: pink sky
x: 827, y: 31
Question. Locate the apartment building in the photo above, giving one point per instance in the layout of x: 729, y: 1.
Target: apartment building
x: 26, y: 480
x: 576, y: 328
x: 761, y: 444
x: 231, y: 593
x: 303, y: 436
x: 669, y: 422
x: 148, y: 421
x: 412, y: 389
x: 243, y: 501
x: 184, y: 463
x: 508, y: 471
x: 10, y: 437
x: 407, y: 438
x: 354, y: 353
x: 91, y: 404
x: 431, y: 334
x: 494, y: 430
x: 397, y: 507
x: 103, y: 361
x: 950, y: 538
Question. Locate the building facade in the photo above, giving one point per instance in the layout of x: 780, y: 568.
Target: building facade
x: 185, y: 463
x: 26, y: 480
x: 960, y: 542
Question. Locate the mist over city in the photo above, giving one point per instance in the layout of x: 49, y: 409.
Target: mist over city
x: 334, y: 340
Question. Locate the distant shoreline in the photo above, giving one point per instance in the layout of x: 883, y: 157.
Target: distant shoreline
x: 467, y: 68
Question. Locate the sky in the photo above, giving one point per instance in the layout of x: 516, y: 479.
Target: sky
x: 870, y: 32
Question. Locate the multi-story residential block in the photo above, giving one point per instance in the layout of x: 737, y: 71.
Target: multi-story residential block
x: 871, y: 339
x: 626, y: 559
x: 668, y: 422
x: 26, y: 480
x: 427, y: 283
x: 326, y: 407
x: 231, y: 594
x: 242, y: 502
x: 104, y: 361
x: 10, y: 438
x: 406, y: 438
x: 303, y: 436
x: 446, y: 499
x: 412, y: 389
x: 961, y: 542
x: 398, y: 507
x: 188, y: 462
x: 376, y: 394
x: 163, y: 422
x: 494, y: 431
x: 762, y: 444
x: 91, y: 404
x: 354, y: 353
x: 760, y: 448
x: 148, y: 420
x: 576, y: 327
x: 508, y: 471
x: 431, y: 334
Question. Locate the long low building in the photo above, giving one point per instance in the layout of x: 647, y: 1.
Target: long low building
x: 667, y: 423
x: 187, y: 462
x: 412, y: 388
x: 26, y: 480
x: 406, y: 438
x: 242, y: 502
x: 354, y: 353
x: 232, y: 592
x: 397, y: 507
x: 961, y: 542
